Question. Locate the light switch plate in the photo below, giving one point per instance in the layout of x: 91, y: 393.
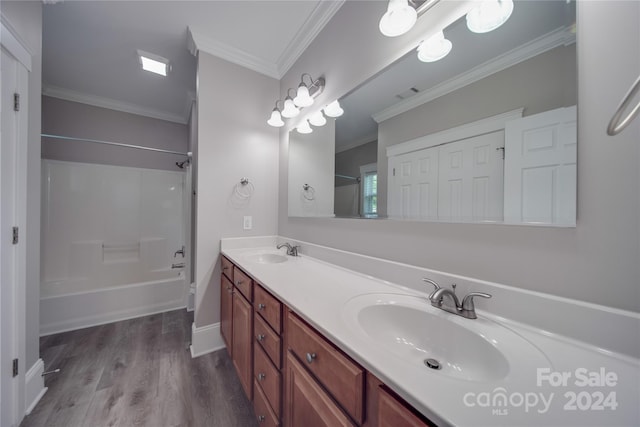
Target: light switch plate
x: 247, y: 222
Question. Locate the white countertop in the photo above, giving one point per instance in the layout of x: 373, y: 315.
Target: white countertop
x: 318, y: 291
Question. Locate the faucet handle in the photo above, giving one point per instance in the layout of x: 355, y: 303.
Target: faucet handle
x: 435, y: 285
x: 467, y: 302
x: 294, y: 250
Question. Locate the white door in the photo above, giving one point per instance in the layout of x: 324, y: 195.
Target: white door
x: 540, y: 168
x: 13, y: 142
x: 470, y: 179
x: 413, y: 185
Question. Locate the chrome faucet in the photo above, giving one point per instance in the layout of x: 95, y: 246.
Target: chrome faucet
x: 466, y: 309
x: 291, y: 250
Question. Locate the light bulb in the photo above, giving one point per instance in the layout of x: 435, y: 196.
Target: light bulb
x: 333, y: 109
x: 276, y: 119
x: 290, y: 110
x: 304, y: 127
x: 317, y: 119
x: 399, y: 18
x: 434, y: 48
x: 302, y: 98
x: 489, y: 15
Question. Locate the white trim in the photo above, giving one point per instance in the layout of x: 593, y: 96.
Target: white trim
x: 34, y: 385
x: 12, y: 43
x: 112, y: 104
x: 551, y: 40
x: 468, y: 130
x: 199, y: 42
x: 368, y: 168
x: 319, y: 17
x: 358, y: 142
x: 205, y: 339
x: 315, y: 22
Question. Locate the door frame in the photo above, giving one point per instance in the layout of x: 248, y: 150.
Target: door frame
x: 13, y: 323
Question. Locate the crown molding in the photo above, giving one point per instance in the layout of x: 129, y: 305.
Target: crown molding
x: 358, y: 142
x: 319, y: 17
x: 197, y: 41
x: 558, y: 37
x: 112, y: 104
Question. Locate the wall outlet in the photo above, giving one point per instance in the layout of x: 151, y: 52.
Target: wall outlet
x: 247, y: 222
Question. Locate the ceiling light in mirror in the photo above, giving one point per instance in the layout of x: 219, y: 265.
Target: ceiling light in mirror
x: 434, y: 48
x: 304, y: 127
x: 317, y: 119
x: 333, y: 109
x: 153, y: 63
x: 399, y: 18
x: 290, y: 110
x: 489, y: 15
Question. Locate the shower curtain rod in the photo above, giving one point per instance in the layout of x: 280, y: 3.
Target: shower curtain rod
x: 355, y: 178
x: 117, y: 144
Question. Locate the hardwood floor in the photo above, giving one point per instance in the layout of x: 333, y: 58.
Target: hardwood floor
x: 138, y: 372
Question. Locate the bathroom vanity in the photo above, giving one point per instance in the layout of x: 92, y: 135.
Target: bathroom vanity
x: 317, y: 344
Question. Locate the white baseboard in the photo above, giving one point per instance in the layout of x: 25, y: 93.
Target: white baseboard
x: 205, y: 339
x: 34, y: 387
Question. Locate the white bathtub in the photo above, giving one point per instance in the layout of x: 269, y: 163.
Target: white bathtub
x: 67, y: 305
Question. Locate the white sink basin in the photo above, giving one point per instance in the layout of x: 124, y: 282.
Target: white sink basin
x: 409, y: 327
x: 267, y: 258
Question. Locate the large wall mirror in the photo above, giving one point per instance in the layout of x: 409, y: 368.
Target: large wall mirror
x: 487, y: 134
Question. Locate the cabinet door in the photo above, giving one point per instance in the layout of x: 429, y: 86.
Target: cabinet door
x: 226, y: 308
x: 242, y: 341
x: 306, y: 403
x: 392, y: 413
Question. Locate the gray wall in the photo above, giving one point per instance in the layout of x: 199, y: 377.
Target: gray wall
x: 26, y: 19
x: 542, y: 83
x: 348, y: 162
x: 598, y: 261
x: 67, y: 118
x: 234, y: 141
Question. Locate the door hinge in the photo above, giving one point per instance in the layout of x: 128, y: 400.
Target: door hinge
x: 16, y: 102
x: 503, y: 150
x: 15, y: 235
x: 15, y: 367
x: 394, y: 171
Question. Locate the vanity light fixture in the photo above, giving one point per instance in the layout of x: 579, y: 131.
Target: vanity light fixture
x: 153, y: 63
x: 434, y: 48
x: 290, y: 110
x: 489, y: 15
x: 399, y: 18
x: 305, y: 94
x: 276, y: 119
x: 304, y: 127
x: 318, y: 119
x: 333, y: 109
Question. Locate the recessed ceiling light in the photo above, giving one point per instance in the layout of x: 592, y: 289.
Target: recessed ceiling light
x: 153, y: 63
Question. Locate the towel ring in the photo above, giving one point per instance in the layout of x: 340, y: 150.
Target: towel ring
x: 618, y: 123
x: 308, y: 190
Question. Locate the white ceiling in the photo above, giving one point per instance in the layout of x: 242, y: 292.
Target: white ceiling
x: 89, y: 47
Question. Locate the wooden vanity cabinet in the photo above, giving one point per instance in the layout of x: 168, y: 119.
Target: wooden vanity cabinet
x: 226, y: 309
x: 394, y: 413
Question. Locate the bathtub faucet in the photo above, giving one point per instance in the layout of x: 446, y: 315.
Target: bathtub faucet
x: 180, y: 251
x: 179, y: 265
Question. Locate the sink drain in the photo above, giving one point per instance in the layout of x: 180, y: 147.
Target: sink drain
x: 432, y: 363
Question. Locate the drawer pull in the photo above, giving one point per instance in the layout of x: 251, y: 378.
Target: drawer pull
x: 261, y: 418
x: 260, y: 337
x: 225, y: 268
x: 261, y: 376
x: 311, y: 357
x: 261, y: 306
x: 239, y: 282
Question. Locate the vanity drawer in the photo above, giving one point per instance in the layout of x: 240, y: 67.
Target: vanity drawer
x: 342, y: 377
x: 264, y: 413
x: 268, y: 340
x: 269, y: 379
x: 227, y: 268
x: 269, y: 308
x: 243, y: 283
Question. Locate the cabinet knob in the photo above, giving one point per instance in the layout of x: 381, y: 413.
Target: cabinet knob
x: 260, y: 337
x: 225, y: 268
x: 311, y: 357
x: 261, y: 418
x: 261, y: 306
x: 261, y: 376
x: 239, y: 282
